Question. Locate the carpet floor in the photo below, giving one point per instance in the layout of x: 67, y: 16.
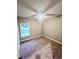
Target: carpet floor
x: 40, y: 48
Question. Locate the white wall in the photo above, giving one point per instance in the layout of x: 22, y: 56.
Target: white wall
x: 18, y: 40
x: 35, y: 28
x: 52, y: 28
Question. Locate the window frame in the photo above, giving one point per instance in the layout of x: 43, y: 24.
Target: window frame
x: 29, y: 30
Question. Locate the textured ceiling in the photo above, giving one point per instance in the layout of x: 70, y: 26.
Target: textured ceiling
x: 31, y: 7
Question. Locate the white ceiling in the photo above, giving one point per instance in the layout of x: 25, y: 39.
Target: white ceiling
x: 26, y: 8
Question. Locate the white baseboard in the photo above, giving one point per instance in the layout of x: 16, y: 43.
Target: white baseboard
x: 40, y: 36
x: 31, y: 38
x: 52, y: 39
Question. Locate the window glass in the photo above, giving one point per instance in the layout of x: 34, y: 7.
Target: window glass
x: 24, y: 29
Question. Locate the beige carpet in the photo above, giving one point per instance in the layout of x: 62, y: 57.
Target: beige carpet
x: 44, y: 53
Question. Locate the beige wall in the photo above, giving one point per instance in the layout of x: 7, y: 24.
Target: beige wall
x: 52, y: 28
x: 35, y: 27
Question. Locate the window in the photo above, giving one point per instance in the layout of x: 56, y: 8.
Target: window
x: 24, y: 29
